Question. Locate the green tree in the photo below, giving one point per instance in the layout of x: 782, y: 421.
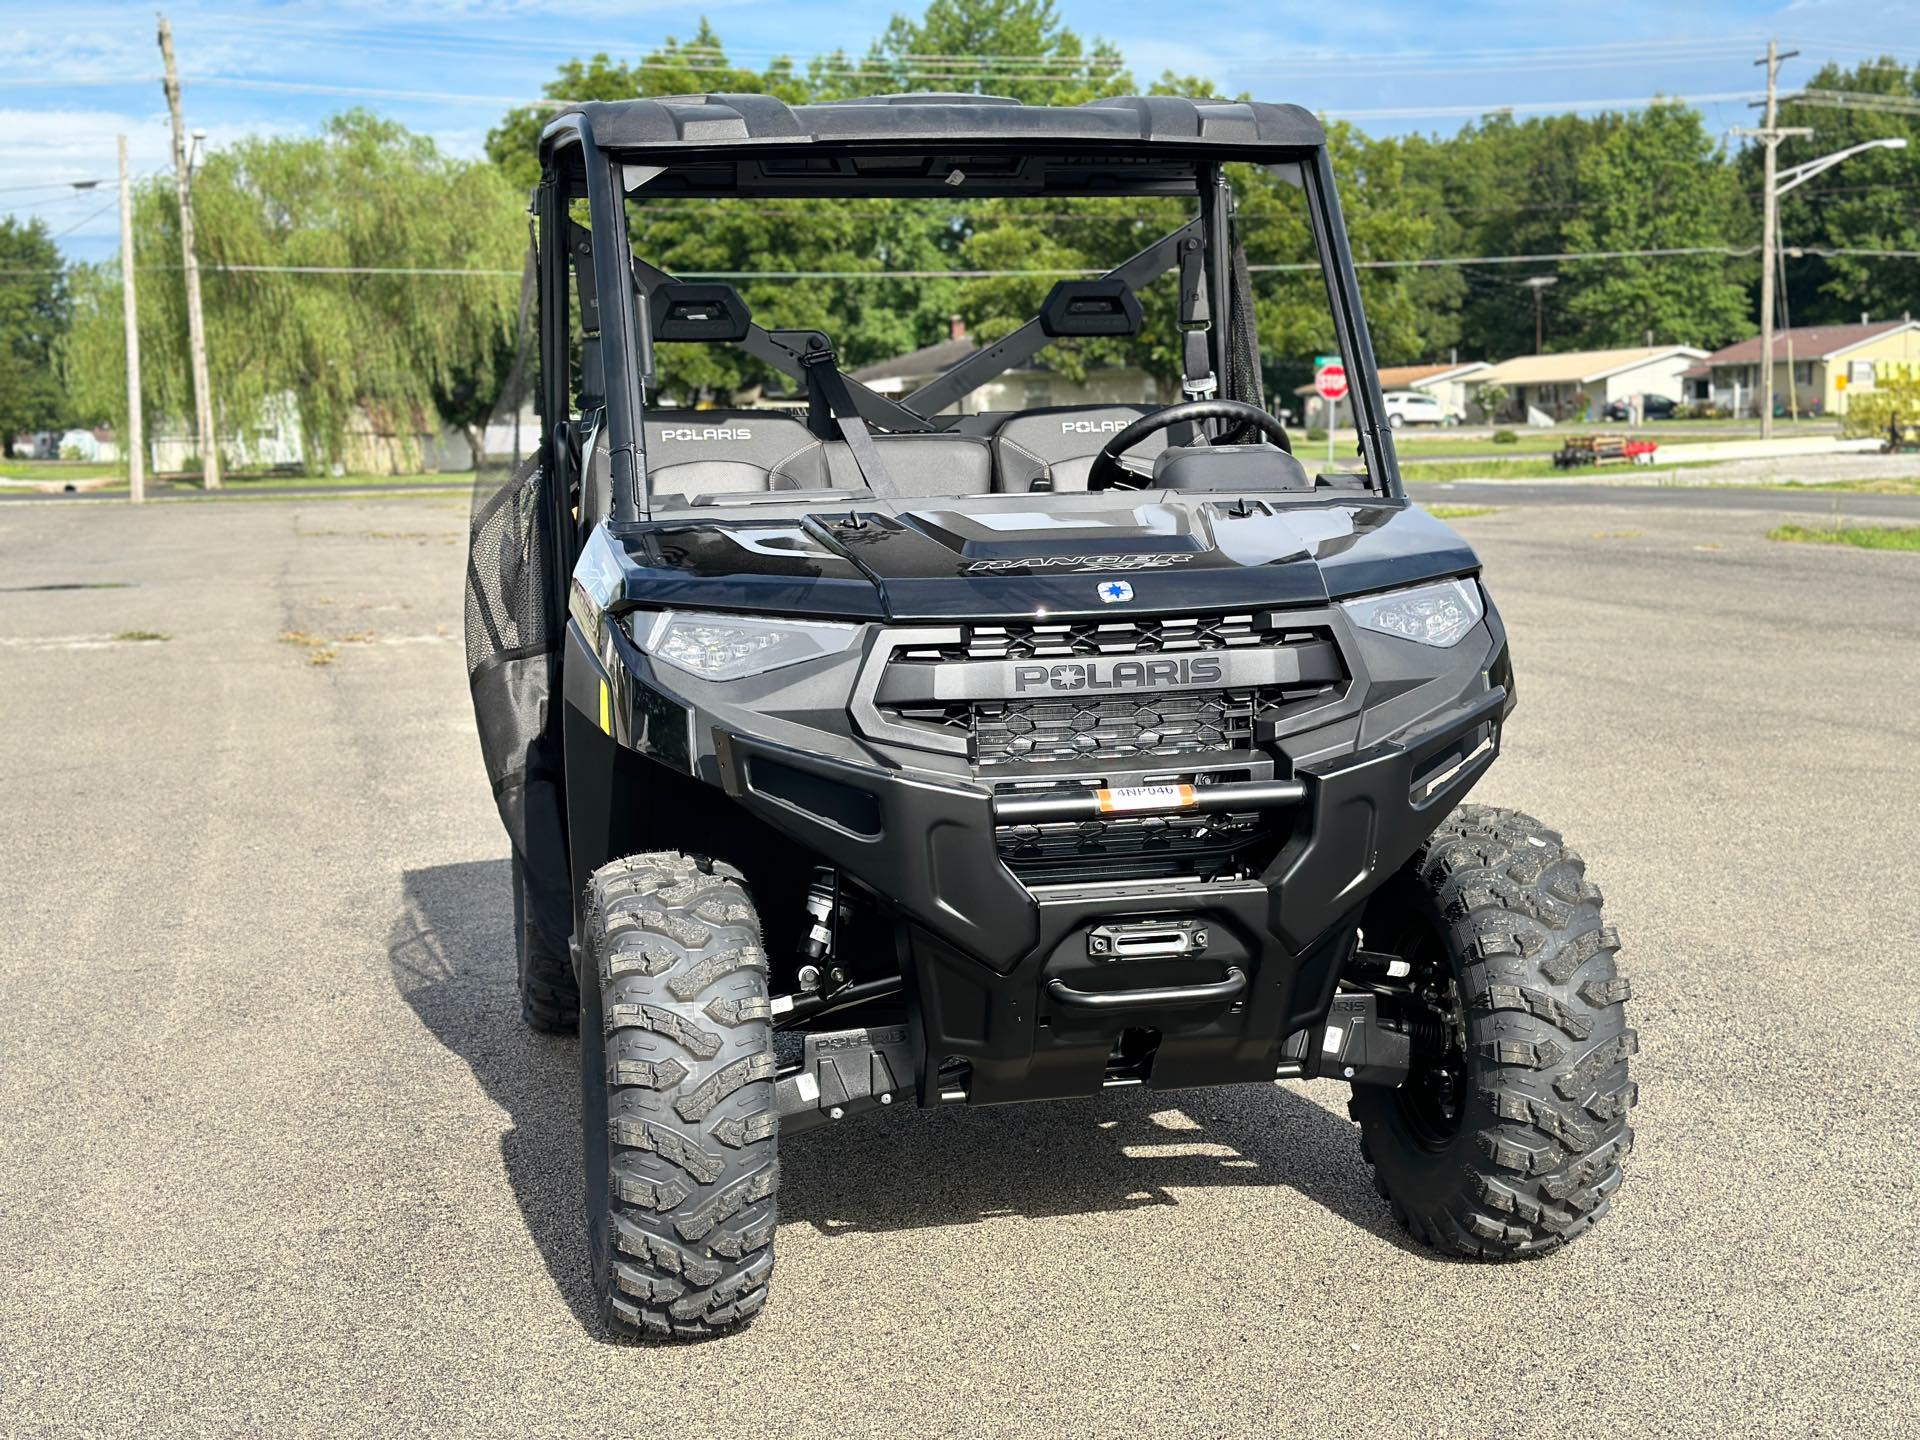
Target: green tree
x: 1867, y: 203
x: 1658, y: 181
x: 34, y: 314
x: 318, y: 214
x: 1504, y: 187
x: 700, y: 66
x: 1016, y: 48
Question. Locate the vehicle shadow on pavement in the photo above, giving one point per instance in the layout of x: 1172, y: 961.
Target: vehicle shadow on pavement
x: 1117, y: 1152
x: 451, y: 953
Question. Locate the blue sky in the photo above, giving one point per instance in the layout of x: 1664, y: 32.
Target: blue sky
x: 78, y: 75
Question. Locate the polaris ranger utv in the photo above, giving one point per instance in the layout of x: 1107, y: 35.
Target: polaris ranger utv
x: 889, y: 750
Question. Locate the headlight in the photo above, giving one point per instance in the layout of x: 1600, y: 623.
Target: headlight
x: 730, y: 647
x: 1438, y: 615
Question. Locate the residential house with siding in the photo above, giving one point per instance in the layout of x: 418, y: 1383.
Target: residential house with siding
x: 1823, y: 364
x: 1579, y: 384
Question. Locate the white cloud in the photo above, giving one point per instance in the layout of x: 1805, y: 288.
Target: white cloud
x: 52, y: 148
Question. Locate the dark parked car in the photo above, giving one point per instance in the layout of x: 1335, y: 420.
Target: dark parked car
x: 1652, y: 407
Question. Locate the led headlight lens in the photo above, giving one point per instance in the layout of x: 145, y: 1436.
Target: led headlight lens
x: 730, y: 647
x: 1438, y: 615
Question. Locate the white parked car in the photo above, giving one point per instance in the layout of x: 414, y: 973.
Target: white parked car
x: 1411, y: 407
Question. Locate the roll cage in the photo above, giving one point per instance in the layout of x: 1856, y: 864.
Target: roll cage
x: 895, y: 147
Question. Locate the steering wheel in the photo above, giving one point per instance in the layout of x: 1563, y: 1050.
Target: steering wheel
x: 1106, y: 473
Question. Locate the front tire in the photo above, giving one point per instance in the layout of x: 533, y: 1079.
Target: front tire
x: 677, y: 1082
x: 1507, y: 1138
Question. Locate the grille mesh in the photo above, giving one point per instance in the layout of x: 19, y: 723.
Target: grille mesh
x: 1099, y: 728
x: 1130, y: 848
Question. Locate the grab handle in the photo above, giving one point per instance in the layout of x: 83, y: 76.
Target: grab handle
x: 1212, y: 993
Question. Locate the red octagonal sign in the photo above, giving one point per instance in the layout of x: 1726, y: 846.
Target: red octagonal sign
x: 1330, y: 382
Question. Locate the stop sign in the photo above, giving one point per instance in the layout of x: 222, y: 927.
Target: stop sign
x: 1330, y: 381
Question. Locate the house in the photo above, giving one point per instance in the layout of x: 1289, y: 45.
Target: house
x: 1447, y: 382
x: 1578, y: 384
x: 1824, y: 364
x: 1025, y: 388
x: 274, y: 440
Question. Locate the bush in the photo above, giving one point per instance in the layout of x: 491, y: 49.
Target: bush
x: 1505, y: 437
x: 1869, y: 412
x: 71, y: 452
x: 1314, y: 432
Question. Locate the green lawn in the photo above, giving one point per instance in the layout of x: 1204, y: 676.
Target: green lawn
x: 1865, y: 537
x: 1459, y: 512
x: 1429, y: 471
x: 1866, y: 485
x: 252, y: 484
x: 22, y: 469
x: 1432, y: 447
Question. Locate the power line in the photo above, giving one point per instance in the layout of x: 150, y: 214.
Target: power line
x: 1855, y: 100
x: 403, y: 271
x: 1631, y: 102
x: 88, y: 220
x: 1540, y: 56
x: 1556, y: 258
x: 78, y: 185
x: 1827, y: 254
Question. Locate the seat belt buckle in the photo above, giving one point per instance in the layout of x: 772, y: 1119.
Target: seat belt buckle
x: 1197, y: 382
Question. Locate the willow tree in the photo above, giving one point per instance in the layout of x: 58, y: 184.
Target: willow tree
x: 357, y: 275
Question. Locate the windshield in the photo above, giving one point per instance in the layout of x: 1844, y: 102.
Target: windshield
x: 826, y: 341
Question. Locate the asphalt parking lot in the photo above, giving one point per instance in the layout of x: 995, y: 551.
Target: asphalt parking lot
x: 278, y: 1157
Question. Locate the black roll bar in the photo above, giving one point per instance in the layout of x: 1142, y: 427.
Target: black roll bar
x: 1350, y: 323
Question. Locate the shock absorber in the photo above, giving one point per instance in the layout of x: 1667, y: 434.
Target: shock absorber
x: 1428, y: 1034
x: 823, y: 900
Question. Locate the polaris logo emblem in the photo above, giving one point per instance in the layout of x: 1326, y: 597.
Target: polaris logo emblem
x: 1115, y: 591
x: 1091, y: 427
x: 710, y: 432
x: 1118, y: 674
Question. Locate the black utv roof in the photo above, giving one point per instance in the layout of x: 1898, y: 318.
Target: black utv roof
x: 709, y: 122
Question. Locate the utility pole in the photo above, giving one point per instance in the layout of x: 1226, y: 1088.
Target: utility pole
x: 134, y: 440
x: 1770, y: 135
x: 196, y: 327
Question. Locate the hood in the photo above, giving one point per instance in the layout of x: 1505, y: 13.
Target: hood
x: 1001, y: 557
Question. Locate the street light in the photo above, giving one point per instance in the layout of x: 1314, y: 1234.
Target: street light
x: 1796, y: 174
x: 1779, y: 184
x: 1538, y: 284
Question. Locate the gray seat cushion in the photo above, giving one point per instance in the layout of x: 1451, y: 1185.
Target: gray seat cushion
x: 1060, y: 444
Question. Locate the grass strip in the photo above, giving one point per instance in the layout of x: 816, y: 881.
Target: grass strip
x: 1863, y: 537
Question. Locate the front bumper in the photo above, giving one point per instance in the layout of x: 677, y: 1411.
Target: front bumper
x: 980, y: 948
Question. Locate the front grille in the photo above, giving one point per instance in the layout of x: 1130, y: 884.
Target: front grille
x: 1098, y: 727
x: 1104, y: 727
x: 1143, y: 847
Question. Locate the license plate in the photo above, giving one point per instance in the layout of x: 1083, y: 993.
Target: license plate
x: 1145, y: 797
